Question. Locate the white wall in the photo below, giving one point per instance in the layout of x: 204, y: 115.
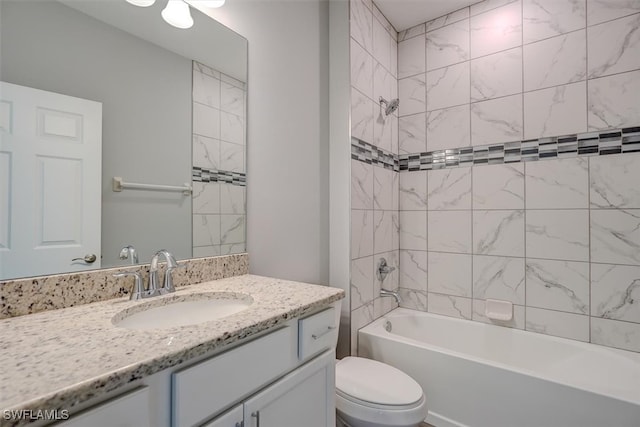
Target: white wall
x: 287, y: 163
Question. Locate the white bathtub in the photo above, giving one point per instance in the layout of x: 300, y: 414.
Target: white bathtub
x: 480, y: 375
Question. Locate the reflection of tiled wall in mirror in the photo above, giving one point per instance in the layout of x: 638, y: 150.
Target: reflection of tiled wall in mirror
x: 219, y: 175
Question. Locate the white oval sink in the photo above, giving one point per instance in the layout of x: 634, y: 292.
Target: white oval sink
x: 182, y: 310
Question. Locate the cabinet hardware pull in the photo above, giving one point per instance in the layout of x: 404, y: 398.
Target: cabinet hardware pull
x: 318, y: 336
x: 256, y: 415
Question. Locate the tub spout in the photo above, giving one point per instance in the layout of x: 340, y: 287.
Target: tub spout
x: 387, y: 293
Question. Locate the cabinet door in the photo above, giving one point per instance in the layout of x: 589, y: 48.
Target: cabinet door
x: 231, y: 418
x: 303, y: 398
x: 128, y: 410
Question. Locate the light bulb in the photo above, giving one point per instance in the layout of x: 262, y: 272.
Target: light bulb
x: 141, y: 3
x: 177, y: 14
x: 212, y: 3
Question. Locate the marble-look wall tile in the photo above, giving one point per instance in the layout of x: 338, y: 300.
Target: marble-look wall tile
x: 231, y: 99
x: 487, y: 5
x: 558, y: 234
x: 496, y: 75
x: 232, y: 229
x: 206, y: 198
x: 449, y: 305
x: 613, y: 333
x: 382, y: 44
x: 206, y: 121
x: 499, y: 278
x: 557, y: 323
x: 412, y: 92
x: 382, y: 306
x: 556, y: 61
x: 447, y: 87
x: 412, y: 136
x: 361, y: 69
x: 449, y: 189
x: 555, y: 111
x: 360, y: 318
x: 450, y: 274
x: 383, y: 189
x: 361, y: 233
x: 452, y: 17
x: 418, y: 30
x: 496, y: 120
x: 413, y: 230
x: 517, y: 322
x: 206, y: 89
x: 448, y: 45
x: 206, y: 230
x: 395, y: 191
x: 382, y: 231
x: 361, y: 116
x: 412, y: 299
x: 614, y: 181
x: 234, y: 248
x: 361, y: 24
x: 384, y: 85
x: 413, y: 191
x: 498, y: 232
x: 206, y: 152
x: 411, y: 57
x: 361, y: 292
x: 613, y: 101
x: 449, y: 231
x: 413, y: 270
x: 557, y: 184
x: 614, y: 47
x: 496, y: 30
x: 391, y: 31
x: 498, y: 186
x: 615, y: 290
x: 615, y: 236
x: 606, y: 10
x: 548, y: 18
x: 361, y: 185
x: 394, y: 59
x: 384, y: 129
x: 449, y: 128
x: 207, y: 251
x: 232, y: 157
x: 231, y: 128
x: 558, y: 285
x: 232, y: 199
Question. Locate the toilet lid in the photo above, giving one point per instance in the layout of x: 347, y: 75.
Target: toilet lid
x: 375, y: 382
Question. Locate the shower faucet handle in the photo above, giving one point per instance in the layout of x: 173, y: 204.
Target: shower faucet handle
x: 383, y: 269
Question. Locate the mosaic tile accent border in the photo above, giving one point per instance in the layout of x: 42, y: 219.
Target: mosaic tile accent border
x: 210, y: 175
x: 613, y: 141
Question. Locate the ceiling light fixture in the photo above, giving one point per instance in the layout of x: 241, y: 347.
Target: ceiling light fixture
x: 141, y: 3
x: 177, y: 13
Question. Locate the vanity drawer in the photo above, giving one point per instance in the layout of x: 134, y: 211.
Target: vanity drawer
x: 129, y: 410
x: 316, y: 333
x: 203, y: 390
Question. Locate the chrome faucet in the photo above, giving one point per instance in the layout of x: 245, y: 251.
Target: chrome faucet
x: 167, y: 286
x: 138, y: 291
x: 383, y: 269
x: 387, y: 293
x: 129, y: 252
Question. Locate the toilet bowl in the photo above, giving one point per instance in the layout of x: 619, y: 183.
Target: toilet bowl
x: 373, y: 394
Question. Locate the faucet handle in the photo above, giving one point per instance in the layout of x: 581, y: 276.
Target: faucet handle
x: 168, y: 286
x: 138, y: 289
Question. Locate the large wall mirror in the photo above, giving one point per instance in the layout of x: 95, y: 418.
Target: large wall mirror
x: 93, y: 90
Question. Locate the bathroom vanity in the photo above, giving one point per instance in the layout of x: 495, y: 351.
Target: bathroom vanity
x: 271, y: 364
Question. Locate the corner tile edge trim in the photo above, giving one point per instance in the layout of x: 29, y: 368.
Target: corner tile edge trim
x: 19, y: 297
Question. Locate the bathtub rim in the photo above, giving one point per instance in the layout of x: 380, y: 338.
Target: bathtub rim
x: 376, y: 328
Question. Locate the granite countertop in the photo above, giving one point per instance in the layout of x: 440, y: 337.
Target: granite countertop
x: 61, y: 358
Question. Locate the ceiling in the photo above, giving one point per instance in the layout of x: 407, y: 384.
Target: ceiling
x: 405, y: 14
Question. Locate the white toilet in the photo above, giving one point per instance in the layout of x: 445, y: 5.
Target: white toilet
x: 374, y: 394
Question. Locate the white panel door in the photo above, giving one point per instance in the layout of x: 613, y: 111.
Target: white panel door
x: 50, y: 181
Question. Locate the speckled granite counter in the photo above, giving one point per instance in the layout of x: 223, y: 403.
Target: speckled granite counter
x: 61, y: 358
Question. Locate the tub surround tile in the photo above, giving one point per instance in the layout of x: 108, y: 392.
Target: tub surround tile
x: 498, y: 232
x: 382, y: 231
x: 614, y: 181
x: 361, y: 20
x: 206, y: 230
x: 615, y: 236
x: 362, y: 271
x: 361, y: 233
x: 385, y: 131
x: 557, y: 323
x: 517, y: 322
x: 360, y: 318
x: 448, y: 305
x: 232, y: 229
x: 232, y: 199
x: 613, y: 101
x: 498, y: 187
x: 614, y: 333
x: 231, y: 128
x: 496, y: 120
x: 382, y: 306
x: 413, y: 270
x: 547, y: 18
x: 418, y: 30
x: 206, y: 121
x: 557, y: 184
x: 381, y: 42
x: 499, y: 278
x: 558, y: 234
x: 555, y: 111
x: 614, y: 47
x: 206, y: 89
x: 361, y: 69
x: 496, y: 75
x: 449, y: 128
x: 412, y: 93
x: 412, y: 136
x: 615, y: 290
x: 448, y: 87
x: 361, y: 116
x: 30, y: 295
x: 496, y: 30
x: 383, y: 189
x: 231, y: 99
x: 413, y: 191
x: 361, y: 185
x: 232, y: 157
x: 384, y: 84
x: 558, y: 285
x: 452, y: 17
x: 208, y: 251
x: 448, y: 45
x: 206, y: 197
x: 413, y: 230
x: 556, y: 61
x: 449, y: 231
x: 449, y: 189
x: 206, y: 152
x: 411, y: 57
x: 606, y: 10
x: 412, y: 299
x: 450, y: 274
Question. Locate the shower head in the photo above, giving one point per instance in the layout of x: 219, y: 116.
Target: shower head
x: 390, y: 106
